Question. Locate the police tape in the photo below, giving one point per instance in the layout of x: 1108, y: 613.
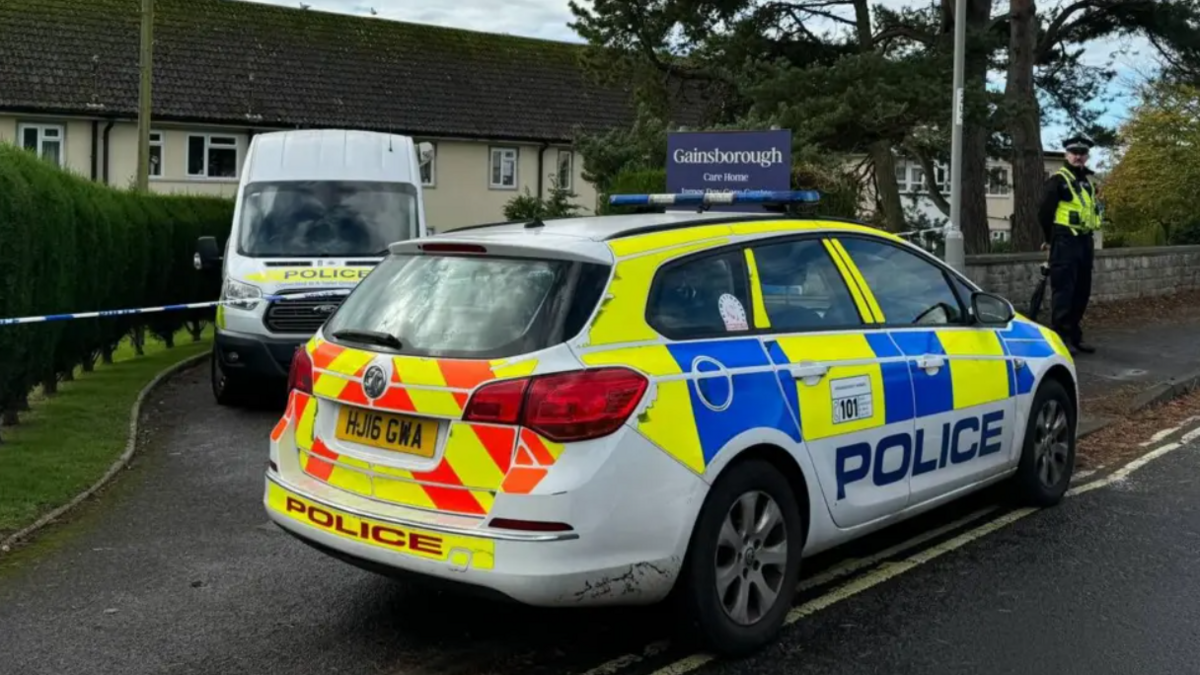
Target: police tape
x: 166, y: 308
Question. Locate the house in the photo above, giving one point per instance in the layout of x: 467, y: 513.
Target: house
x: 500, y: 111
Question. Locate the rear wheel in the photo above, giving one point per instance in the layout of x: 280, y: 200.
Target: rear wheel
x: 1048, y: 454
x: 741, y: 571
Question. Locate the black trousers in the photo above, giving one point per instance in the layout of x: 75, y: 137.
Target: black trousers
x: 1071, y: 257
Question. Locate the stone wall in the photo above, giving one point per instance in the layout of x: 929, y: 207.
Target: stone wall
x: 1119, y: 274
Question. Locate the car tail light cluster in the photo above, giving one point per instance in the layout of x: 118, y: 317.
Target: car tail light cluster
x: 300, y: 376
x: 563, y: 407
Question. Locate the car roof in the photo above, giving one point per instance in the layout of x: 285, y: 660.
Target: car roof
x: 609, y: 227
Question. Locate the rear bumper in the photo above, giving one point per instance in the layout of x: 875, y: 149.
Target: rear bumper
x: 546, y: 569
x: 256, y: 355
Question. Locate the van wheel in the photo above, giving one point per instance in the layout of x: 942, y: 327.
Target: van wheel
x: 1048, y: 454
x: 740, y: 575
x: 229, y: 390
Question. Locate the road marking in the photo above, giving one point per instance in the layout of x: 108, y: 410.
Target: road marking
x: 621, y: 662
x: 890, y: 570
x: 1159, y: 435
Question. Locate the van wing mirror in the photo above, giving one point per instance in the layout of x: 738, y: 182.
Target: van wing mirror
x: 208, y: 254
x: 991, y: 309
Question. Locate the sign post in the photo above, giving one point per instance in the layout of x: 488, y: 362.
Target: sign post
x: 700, y: 162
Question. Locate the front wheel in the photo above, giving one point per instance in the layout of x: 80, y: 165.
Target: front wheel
x: 740, y: 576
x: 227, y: 389
x: 1048, y: 453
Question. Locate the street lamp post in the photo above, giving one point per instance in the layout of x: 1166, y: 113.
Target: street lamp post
x: 955, y: 253
x: 147, y: 68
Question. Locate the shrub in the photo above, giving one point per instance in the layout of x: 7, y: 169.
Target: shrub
x: 70, y: 245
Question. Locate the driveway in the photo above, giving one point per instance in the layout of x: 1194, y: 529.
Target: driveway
x: 178, y: 571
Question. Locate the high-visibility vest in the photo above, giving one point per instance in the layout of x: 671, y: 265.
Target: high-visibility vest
x: 1081, y: 214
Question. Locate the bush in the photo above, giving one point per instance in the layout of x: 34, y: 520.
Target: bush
x: 528, y: 207
x: 70, y: 245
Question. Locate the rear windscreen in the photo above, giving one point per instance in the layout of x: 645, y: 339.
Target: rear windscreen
x: 471, y: 306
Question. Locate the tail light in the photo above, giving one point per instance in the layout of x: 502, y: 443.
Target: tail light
x: 300, y: 376
x: 563, y: 407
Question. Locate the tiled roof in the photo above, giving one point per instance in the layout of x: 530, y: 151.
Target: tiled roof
x: 246, y: 63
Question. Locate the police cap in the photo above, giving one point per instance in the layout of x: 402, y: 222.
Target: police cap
x: 1078, y: 143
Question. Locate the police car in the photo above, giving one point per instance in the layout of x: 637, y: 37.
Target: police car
x: 625, y: 409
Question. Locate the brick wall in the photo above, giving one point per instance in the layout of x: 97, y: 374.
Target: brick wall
x: 1119, y: 274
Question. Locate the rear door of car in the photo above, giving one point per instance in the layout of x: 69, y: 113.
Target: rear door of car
x: 844, y: 379
x: 963, y: 380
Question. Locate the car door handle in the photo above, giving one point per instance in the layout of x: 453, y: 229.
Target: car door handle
x: 930, y: 362
x: 807, y: 371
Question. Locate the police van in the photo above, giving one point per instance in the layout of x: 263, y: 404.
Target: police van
x: 624, y: 409
x: 315, y: 211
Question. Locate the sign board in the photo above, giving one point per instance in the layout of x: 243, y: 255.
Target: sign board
x: 728, y: 161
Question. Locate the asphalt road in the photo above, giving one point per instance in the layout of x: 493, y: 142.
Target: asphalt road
x: 177, y: 571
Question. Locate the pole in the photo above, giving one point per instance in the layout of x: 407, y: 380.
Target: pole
x: 147, y: 69
x: 955, y: 253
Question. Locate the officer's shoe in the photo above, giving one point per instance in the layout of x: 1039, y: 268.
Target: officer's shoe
x: 1082, y: 346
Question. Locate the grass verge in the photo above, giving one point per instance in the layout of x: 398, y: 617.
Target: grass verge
x: 67, y: 441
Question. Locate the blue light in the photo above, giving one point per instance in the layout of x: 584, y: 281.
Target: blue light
x: 749, y: 197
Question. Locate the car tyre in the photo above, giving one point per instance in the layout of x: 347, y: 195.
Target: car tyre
x: 1048, y: 454
x: 738, y: 581
x: 229, y: 390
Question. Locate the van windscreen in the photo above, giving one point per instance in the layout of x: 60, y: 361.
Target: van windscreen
x: 470, y: 306
x: 318, y: 219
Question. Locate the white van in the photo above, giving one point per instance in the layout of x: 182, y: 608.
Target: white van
x: 315, y: 211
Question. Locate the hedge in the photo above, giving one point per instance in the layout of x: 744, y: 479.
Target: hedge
x: 71, y: 245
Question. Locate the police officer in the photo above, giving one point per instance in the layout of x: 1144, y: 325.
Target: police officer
x: 1069, y: 217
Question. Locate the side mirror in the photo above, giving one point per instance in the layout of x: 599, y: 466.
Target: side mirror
x: 991, y: 310
x: 208, y: 254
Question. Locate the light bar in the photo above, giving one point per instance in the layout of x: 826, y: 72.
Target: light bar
x: 750, y: 197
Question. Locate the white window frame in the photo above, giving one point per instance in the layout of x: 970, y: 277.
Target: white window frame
x: 998, y: 186
x: 208, y: 144
x: 901, y: 173
x: 41, y: 129
x: 432, y: 167
x: 498, y: 153
x: 156, y: 141
x: 558, y: 167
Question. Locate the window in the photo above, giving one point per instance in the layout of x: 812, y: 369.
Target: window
x: 460, y: 306
x: 428, y: 161
x: 918, y: 179
x: 909, y: 289
x: 700, y: 297
x: 325, y: 218
x: 802, y: 289
x: 212, y: 156
x: 45, y: 140
x: 566, y: 169
x: 156, y: 153
x: 998, y: 182
x: 503, y: 174
x: 902, y: 177
x: 940, y: 179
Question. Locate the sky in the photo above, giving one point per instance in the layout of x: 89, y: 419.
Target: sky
x: 548, y: 19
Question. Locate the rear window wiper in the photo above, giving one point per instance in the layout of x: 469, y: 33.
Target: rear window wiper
x: 370, y: 336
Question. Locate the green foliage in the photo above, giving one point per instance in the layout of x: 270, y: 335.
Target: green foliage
x: 69, y: 245
x: 557, y: 205
x: 1155, y: 179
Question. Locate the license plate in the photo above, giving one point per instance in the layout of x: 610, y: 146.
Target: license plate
x: 386, y: 431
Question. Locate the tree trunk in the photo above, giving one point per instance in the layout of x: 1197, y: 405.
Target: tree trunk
x: 23, y: 403
x: 138, y: 335
x: 887, y: 191
x: 106, y: 354
x: 68, y: 375
x: 169, y: 340
x: 89, y: 362
x: 1025, y: 126
x: 974, y: 217
x: 50, y: 385
x: 10, y: 418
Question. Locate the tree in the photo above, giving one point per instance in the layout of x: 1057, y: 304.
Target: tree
x: 1055, y: 47
x: 1154, y: 181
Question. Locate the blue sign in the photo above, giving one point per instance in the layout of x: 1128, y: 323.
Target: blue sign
x: 728, y: 161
